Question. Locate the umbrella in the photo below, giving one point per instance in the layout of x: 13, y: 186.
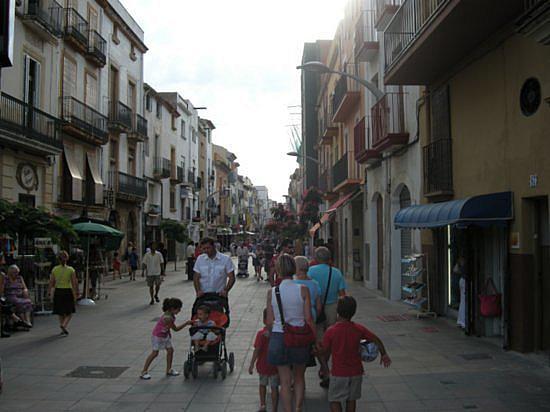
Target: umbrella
x: 88, y: 230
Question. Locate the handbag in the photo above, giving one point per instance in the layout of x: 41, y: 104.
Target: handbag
x: 490, y: 299
x: 294, y: 336
x: 322, y: 316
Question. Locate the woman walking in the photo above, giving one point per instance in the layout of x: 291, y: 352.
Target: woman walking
x: 296, y: 310
x: 64, y: 285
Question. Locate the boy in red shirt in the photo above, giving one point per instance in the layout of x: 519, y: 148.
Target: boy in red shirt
x: 268, y: 373
x: 341, y: 341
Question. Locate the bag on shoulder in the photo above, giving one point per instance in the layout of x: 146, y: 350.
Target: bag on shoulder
x: 489, y: 300
x: 322, y: 316
x: 294, y: 336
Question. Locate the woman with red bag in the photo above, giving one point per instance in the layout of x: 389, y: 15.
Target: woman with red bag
x: 292, y: 332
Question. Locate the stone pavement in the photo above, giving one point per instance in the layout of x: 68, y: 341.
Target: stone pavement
x: 435, y: 366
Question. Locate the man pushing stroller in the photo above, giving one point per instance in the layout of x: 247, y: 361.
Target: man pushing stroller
x: 213, y: 271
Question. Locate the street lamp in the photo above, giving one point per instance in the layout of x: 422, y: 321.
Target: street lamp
x: 296, y: 154
x: 318, y: 67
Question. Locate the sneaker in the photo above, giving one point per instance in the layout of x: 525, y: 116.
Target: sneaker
x: 145, y: 376
x: 157, y: 299
x: 172, y: 372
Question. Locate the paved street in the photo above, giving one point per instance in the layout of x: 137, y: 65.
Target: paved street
x: 435, y: 366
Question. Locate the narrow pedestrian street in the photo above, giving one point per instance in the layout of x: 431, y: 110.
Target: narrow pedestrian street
x: 435, y: 367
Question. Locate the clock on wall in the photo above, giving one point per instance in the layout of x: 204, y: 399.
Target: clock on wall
x: 27, y: 176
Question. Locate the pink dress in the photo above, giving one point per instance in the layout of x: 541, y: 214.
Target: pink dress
x: 13, y: 290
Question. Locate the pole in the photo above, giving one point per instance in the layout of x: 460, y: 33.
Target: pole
x: 87, y: 301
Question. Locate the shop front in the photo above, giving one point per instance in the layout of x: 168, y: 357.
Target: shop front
x: 466, y: 248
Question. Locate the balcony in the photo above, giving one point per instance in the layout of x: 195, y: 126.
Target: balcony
x: 385, y: 9
x: 428, y: 38
x: 326, y: 128
x: 535, y: 21
x: 131, y: 187
x: 190, y: 178
x: 45, y: 17
x: 97, y: 48
x: 345, y: 99
x: 120, y: 117
x: 362, y: 143
x: 388, y: 123
x: 84, y: 122
x: 438, y: 169
x: 76, y: 30
x: 366, y: 39
x: 139, y: 129
x: 28, y: 128
x: 344, y: 173
x: 162, y: 168
x: 176, y: 174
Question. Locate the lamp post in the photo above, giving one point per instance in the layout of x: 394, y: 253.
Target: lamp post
x: 318, y: 67
x: 298, y: 155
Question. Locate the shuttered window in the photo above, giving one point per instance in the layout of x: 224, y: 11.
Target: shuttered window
x: 69, y: 77
x: 90, y: 97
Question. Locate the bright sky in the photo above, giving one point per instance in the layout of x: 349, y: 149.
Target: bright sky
x: 238, y: 58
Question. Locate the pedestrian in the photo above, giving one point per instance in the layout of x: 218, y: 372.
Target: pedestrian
x: 116, y: 266
x: 342, y: 342
x: 164, y: 252
x: 214, y: 271
x: 64, y: 289
x: 284, y: 248
x: 291, y: 300
x: 143, y: 265
x: 190, y: 255
x: 154, y: 263
x: 257, y: 262
x: 332, y: 285
x: 161, y: 337
x: 302, y: 278
x: 460, y: 271
x: 133, y: 260
x: 268, y: 373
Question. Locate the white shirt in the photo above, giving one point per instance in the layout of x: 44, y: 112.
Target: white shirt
x: 293, y: 305
x: 213, y: 272
x: 190, y: 251
x: 153, y: 263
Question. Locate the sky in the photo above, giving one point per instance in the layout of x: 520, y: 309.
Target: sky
x: 238, y: 58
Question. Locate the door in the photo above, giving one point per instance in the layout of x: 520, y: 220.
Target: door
x: 113, y: 89
x: 132, y: 101
x: 90, y: 90
x: 380, y: 241
x: 69, y: 77
x: 32, y: 81
x: 542, y: 274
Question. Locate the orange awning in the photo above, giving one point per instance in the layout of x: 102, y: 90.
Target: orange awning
x: 340, y: 202
x: 314, y: 229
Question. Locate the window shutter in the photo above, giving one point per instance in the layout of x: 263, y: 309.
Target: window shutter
x: 69, y: 77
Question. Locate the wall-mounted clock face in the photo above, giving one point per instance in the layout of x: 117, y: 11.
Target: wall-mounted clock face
x: 27, y: 176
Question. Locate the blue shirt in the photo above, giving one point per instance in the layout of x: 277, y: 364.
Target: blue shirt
x: 337, y: 282
x: 314, y: 292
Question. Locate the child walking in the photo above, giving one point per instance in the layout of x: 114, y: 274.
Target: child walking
x: 161, y: 338
x: 268, y: 373
x: 341, y: 341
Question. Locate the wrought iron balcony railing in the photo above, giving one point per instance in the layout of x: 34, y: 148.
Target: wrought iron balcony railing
x: 162, y: 167
x: 89, y: 122
x: 141, y: 126
x: 76, y: 27
x: 132, y: 186
x: 97, y: 48
x: 120, y: 116
x: 388, y: 120
x: 19, y: 117
x: 47, y: 13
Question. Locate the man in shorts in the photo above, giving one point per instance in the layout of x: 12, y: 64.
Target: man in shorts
x: 154, y: 262
x: 341, y: 342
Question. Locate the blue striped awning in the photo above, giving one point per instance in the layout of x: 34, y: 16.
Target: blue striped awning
x: 484, y: 210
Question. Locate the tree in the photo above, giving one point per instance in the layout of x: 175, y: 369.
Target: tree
x: 174, y: 230
x: 284, y: 223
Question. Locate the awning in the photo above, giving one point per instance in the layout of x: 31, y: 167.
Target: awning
x: 484, y: 210
x: 96, y: 177
x: 314, y: 229
x: 340, y: 202
x: 76, y: 175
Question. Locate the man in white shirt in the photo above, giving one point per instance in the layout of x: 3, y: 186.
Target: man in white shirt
x: 214, y: 271
x: 154, y: 263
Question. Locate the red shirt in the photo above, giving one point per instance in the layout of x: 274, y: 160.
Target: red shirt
x: 261, y: 343
x: 342, y: 341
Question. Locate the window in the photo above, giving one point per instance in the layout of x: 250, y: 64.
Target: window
x: 174, y: 127
x: 148, y: 103
x: 32, y: 81
x: 146, y: 145
x: 172, y: 198
x: 159, y: 110
x: 132, y: 161
x: 182, y: 131
x: 132, y: 102
x: 90, y: 90
x: 194, y: 135
x: 69, y: 77
x: 133, y: 55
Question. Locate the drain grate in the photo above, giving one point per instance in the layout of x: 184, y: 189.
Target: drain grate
x: 394, y: 318
x: 476, y: 356
x: 97, y: 372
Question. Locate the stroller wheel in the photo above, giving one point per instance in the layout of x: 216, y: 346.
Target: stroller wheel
x: 223, y: 369
x: 186, y: 369
x: 231, y: 361
x: 215, y: 369
x: 195, y: 369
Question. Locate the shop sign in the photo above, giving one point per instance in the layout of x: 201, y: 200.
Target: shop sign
x: 42, y: 243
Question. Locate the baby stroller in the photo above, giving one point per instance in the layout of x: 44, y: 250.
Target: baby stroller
x: 217, y: 349
x: 243, y: 266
